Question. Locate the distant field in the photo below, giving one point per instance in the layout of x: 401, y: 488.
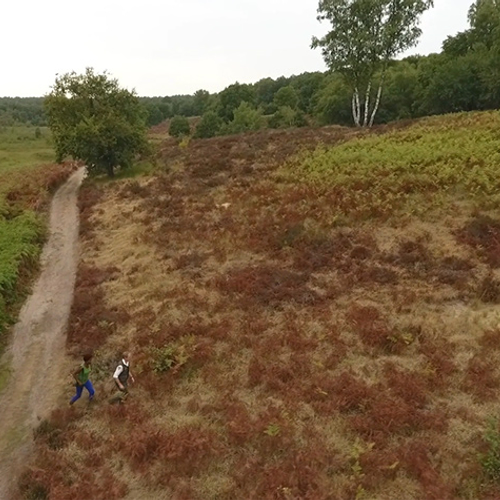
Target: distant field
x: 20, y: 148
x: 313, y: 314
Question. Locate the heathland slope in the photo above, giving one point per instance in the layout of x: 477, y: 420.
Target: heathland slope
x: 313, y: 314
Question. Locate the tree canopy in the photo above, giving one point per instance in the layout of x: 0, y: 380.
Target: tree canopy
x: 94, y: 120
x: 365, y: 36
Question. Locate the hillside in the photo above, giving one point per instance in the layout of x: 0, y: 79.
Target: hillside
x: 312, y: 313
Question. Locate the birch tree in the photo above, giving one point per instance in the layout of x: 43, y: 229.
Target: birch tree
x: 365, y: 36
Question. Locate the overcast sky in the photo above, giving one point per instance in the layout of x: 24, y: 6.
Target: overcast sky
x: 166, y: 47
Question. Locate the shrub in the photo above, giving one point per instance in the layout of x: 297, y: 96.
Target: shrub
x: 246, y: 118
x: 179, y: 126
x: 209, y: 125
x: 286, y: 117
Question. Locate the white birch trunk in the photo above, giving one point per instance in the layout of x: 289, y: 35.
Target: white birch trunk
x: 379, y: 95
x: 357, y: 108
x: 377, y: 103
x: 367, y: 104
x: 354, y: 116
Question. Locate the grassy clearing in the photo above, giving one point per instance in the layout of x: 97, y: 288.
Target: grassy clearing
x: 22, y: 148
x: 25, y: 186
x: 282, y: 353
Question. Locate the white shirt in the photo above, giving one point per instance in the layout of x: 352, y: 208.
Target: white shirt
x: 119, y: 368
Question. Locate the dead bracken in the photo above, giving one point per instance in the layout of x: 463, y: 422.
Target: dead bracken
x: 291, y: 340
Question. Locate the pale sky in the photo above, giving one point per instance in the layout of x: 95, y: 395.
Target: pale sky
x: 167, y: 47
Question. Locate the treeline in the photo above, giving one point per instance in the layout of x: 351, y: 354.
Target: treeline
x: 465, y: 76
x: 22, y: 110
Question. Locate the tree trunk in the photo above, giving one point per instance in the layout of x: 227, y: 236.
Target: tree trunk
x: 367, y: 104
x: 356, y: 111
x: 354, y: 108
x: 377, y: 102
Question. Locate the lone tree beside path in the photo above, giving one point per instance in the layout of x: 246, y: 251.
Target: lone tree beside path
x: 94, y: 120
x: 365, y: 36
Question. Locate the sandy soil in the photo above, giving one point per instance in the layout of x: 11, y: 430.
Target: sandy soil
x: 37, y: 354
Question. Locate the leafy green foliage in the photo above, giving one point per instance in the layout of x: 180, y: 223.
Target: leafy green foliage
x: 331, y: 102
x: 246, y: 118
x: 179, y: 126
x: 209, y: 125
x: 287, y: 117
x: 232, y: 97
x: 94, y: 120
x: 201, y: 100
x: 163, y: 358
x: 286, y: 96
x: 172, y: 356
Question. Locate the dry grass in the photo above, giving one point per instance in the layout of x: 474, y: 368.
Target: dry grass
x: 278, y: 355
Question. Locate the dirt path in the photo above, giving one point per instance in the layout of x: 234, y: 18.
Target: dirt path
x: 37, y: 354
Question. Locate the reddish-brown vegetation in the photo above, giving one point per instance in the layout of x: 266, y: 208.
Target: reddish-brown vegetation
x: 279, y: 354
x: 31, y: 191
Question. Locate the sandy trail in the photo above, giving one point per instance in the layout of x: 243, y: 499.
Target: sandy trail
x: 37, y: 351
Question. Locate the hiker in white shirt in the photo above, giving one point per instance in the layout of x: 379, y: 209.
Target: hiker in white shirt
x: 122, y: 374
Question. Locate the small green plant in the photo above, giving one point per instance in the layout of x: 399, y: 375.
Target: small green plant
x: 163, y: 358
x: 491, y: 459
x: 173, y: 356
x: 185, y: 142
x: 273, y: 430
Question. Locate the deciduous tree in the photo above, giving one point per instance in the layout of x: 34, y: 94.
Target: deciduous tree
x: 94, y: 120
